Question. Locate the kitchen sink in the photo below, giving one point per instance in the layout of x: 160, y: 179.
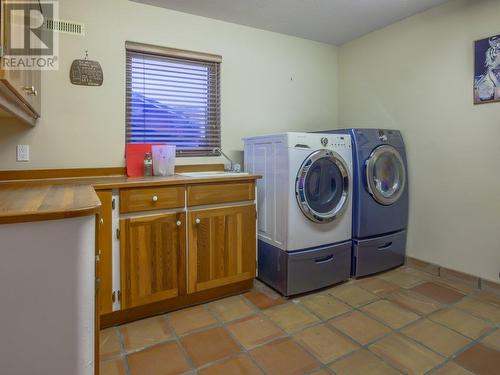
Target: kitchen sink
x: 212, y: 174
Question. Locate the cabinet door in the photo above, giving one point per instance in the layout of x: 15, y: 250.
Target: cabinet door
x: 104, y: 245
x: 14, y: 79
x: 153, y: 258
x: 24, y: 84
x: 97, y: 296
x: 222, y: 243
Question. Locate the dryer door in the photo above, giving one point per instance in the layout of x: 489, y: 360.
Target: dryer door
x: 322, y: 186
x: 385, y: 174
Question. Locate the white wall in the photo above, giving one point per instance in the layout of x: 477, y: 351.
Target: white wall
x: 417, y: 76
x: 270, y: 83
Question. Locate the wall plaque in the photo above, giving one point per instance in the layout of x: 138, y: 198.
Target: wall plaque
x: 86, y: 73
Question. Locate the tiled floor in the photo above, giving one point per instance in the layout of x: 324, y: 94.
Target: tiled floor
x: 400, y: 322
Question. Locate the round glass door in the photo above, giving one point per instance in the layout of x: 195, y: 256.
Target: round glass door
x: 322, y: 187
x: 385, y: 175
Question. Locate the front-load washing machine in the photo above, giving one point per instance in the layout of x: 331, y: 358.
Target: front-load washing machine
x: 304, y: 204
x: 380, y: 199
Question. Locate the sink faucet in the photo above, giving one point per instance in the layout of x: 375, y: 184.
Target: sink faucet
x: 233, y: 167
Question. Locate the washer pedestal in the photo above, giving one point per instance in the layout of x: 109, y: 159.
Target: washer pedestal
x: 378, y: 254
x: 302, y: 271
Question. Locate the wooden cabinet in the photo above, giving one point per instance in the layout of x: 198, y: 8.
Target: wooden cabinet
x: 105, y: 251
x: 222, y: 246
x: 195, y: 242
x: 152, y: 256
x: 20, y: 90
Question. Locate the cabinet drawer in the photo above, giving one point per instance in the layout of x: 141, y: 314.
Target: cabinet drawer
x: 379, y: 254
x: 303, y: 271
x: 151, y: 198
x: 210, y: 193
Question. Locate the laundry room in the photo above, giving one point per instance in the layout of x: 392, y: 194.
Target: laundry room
x: 277, y: 187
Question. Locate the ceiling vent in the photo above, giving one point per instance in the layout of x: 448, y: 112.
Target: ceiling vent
x: 65, y: 27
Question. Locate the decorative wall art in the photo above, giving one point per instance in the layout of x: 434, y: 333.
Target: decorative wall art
x: 487, y: 70
x: 86, y: 72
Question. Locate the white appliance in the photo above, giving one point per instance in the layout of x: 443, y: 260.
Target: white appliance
x: 304, y: 208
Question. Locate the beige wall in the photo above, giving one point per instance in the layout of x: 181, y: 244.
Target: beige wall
x: 270, y: 83
x: 416, y: 76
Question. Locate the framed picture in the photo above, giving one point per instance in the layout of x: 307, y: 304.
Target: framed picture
x: 487, y: 70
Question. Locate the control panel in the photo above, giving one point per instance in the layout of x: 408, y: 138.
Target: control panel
x: 315, y: 141
x: 335, y: 141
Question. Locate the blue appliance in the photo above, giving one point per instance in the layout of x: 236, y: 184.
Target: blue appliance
x: 380, y: 200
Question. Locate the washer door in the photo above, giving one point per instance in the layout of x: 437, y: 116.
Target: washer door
x: 385, y: 175
x: 322, y: 186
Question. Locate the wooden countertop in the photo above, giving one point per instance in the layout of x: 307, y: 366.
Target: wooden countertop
x: 24, y: 202
x: 59, y: 198
x: 116, y: 182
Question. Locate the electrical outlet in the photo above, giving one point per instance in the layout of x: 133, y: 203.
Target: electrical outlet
x: 23, y: 153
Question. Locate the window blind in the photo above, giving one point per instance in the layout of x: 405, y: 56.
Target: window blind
x: 173, y: 97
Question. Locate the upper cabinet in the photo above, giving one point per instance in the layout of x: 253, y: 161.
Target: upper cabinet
x: 20, y: 90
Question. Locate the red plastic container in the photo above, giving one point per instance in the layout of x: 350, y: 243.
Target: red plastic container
x: 134, y: 158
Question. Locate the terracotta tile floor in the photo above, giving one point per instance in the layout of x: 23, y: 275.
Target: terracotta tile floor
x: 403, y: 321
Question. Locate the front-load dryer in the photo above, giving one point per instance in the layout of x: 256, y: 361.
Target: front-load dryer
x: 304, y: 204
x: 380, y: 199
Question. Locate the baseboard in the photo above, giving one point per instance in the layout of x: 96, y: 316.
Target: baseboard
x: 472, y: 281
x: 172, y: 304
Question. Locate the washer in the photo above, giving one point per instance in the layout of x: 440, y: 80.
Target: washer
x: 380, y: 204
x: 304, y: 209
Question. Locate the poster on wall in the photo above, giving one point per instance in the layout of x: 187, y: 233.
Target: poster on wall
x: 487, y: 70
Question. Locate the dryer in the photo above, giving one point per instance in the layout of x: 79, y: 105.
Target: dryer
x: 304, y: 204
x: 380, y: 200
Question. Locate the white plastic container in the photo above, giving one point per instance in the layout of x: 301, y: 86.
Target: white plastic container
x: 163, y: 160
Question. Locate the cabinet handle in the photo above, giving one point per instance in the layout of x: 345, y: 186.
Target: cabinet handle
x: 178, y: 223
x: 197, y: 221
x: 155, y: 198
x: 101, y: 221
x: 30, y: 90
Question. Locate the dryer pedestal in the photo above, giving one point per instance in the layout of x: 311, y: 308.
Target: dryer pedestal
x: 378, y: 254
x: 303, y: 271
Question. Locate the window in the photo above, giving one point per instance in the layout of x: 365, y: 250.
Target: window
x: 173, y: 97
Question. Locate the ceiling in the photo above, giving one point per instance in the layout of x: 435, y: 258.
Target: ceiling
x: 329, y: 21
